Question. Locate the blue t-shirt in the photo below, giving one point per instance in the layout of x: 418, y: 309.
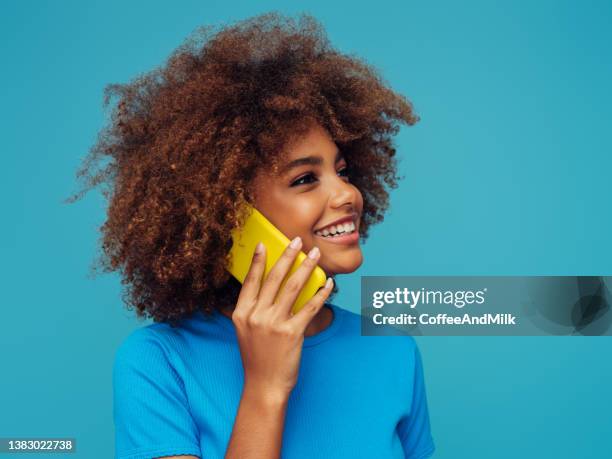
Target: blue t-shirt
x: 177, y: 390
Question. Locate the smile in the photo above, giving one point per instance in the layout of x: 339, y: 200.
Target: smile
x: 342, y: 234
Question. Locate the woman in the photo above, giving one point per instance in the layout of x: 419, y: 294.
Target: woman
x: 265, y: 112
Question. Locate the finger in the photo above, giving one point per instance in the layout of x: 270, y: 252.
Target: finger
x: 252, y: 281
x: 278, y: 272
x: 295, y: 283
x: 313, y: 306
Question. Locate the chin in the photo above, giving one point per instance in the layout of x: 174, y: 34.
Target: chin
x: 343, y: 267
x: 340, y: 271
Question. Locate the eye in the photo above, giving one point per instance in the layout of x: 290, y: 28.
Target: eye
x: 308, y: 177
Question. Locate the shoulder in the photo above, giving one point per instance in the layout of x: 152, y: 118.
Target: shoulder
x: 142, y: 339
x: 146, y: 346
x: 145, y: 364
x: 151, y: 408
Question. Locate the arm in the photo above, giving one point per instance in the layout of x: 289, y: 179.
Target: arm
x: 150, y: 409
x: 270, y: 340
x: 414, y: 430
x: 258, y: 429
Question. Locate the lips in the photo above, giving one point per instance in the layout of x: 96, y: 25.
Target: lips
x: 346, y: 219
x: 333, y: 230
x: 350, y: 238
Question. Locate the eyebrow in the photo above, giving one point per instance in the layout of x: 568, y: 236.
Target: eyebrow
x: 312, y: 160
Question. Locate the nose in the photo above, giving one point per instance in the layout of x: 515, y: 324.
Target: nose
x: 343, y: 194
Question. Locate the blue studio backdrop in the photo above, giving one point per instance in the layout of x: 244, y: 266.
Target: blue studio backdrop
x: 507, y: 173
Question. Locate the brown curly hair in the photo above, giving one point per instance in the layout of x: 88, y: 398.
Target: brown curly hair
x: 185, y: 141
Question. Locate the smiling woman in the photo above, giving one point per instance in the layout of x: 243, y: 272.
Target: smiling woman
x: 264, y: 112
x: 313, y: 193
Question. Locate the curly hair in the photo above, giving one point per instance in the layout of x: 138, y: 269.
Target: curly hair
x: 185, y: 140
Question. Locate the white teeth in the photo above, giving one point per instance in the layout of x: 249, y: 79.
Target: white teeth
x: 331, y: 231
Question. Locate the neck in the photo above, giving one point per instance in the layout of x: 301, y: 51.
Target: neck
x: 320, y: 322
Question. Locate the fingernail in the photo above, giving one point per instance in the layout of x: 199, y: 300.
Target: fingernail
x: 295, y: 243
x: 259, y: 248
x: 314, y: 252
x: 328, y: 282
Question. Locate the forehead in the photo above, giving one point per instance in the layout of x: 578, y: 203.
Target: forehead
x: 316, y: 143
x: 315, y: 139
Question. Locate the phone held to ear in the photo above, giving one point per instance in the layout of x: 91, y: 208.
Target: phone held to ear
x: 258, y: 228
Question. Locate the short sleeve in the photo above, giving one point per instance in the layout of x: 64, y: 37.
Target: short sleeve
x: 414, y: 430
x: 150, y: 409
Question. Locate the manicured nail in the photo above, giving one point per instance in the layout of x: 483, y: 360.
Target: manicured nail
x: 314, y: 253
x: 296, y: 242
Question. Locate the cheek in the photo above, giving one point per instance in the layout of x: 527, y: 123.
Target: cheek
x: 297, y: 218
x: 305, y: 213
x: 358, y: 200
x: 358, y: 197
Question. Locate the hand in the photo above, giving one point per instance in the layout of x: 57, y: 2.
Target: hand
x: 270, y: 338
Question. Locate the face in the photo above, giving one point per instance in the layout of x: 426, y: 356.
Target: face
x: 308, y: 194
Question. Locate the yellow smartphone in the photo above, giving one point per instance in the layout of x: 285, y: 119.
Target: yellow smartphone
x: 258, y: 228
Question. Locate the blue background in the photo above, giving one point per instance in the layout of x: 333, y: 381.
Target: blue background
x: 507, y: 173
